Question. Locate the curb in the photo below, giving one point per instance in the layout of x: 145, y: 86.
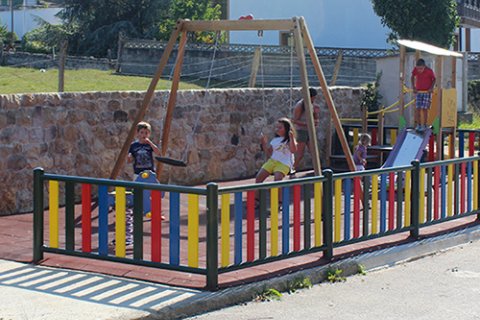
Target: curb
x: 210, y: 301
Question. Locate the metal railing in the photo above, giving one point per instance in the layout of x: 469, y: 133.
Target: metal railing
x: 215, y: 230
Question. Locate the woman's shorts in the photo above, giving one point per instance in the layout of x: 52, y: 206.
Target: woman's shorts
x: 302, y: 136
x: 272, y: 166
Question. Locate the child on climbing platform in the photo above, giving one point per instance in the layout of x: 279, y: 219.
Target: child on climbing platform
x: 423, y: 80
x: 280, y: 152
x: 360, y: 155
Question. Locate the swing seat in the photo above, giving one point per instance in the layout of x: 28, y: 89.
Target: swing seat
x: 172, y: 162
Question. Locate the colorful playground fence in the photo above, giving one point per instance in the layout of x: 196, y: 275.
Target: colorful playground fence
x: 466, y: 140
x: 215, y: 230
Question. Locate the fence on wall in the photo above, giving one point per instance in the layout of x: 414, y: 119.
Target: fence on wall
x: 215, y: 230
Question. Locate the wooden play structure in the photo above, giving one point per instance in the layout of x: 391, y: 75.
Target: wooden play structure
x: 297, y: 26
x: 443, y: 113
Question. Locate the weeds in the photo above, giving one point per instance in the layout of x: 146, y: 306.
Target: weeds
x: 269, y: 295
x: 362, y: 270
x: 335, y: 275
x: 299, y: 283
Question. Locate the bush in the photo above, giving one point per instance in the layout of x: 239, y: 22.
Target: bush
x: 371, y: 97
x: 474, y: 95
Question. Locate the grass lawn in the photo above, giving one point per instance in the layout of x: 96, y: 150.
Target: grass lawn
x: 28, y: 80
x: 474, y: 125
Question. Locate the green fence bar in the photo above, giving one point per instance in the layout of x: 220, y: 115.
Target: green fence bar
x: 414, y: 223
x: 328, y: 214
x: 212, y: 236
x: 37, y: 214
x: 70, y: 216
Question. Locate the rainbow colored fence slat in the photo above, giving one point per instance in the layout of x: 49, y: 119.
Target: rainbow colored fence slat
x: 270, y: 228
x: 53, y: 217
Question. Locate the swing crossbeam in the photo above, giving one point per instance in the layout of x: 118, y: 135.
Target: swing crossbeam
x: 238, y: 25
x: 296, y: 25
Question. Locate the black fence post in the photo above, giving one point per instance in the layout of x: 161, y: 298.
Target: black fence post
x: 414, y: 223
x: 37, y: 214
x: 328, y: 214
x: 212, y: 236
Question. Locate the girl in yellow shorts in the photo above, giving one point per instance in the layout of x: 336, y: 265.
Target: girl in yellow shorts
x: 280, y: 151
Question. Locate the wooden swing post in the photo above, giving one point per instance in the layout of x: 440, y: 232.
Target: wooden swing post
x: 146, y: 100
x: 297, y: 34
x: 172, y: 99
x: 327, y: 95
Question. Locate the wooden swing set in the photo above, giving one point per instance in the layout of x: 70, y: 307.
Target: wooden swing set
x: 301, y: 35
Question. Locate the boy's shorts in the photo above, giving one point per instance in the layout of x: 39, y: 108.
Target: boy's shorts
x: 424, y: 100
x: 272, y: 166
x: 302, y: 136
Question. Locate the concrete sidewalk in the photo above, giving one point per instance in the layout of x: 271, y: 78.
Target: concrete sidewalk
x: 39, y: 292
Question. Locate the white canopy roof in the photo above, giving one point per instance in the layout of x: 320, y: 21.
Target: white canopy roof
x: 417, y: 45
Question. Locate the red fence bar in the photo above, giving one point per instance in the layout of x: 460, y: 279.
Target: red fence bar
x: 356, y: 206
x: 86, y: 217
x: 250, y: 225
x: 156, y: 226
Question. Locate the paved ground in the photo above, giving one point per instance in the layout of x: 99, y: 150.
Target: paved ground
x: 444, y: 280
x: 441, y: 286
x: 91, y: 289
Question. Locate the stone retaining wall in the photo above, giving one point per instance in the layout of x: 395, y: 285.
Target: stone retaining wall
x: 82, y: 134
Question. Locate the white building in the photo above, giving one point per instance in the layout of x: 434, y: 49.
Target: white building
x: 27, y: 19
x: 332, y: 23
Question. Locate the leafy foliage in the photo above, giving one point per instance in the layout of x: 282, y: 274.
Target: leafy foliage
x: 97, y: 24
x: 299, y: 283
x: 335, y: 275
x: 93, y: 26
x: 371, y: 97
x: 269, y: 295
x: 45, y: 38
x: 193, y: 10
x: 432, y: 21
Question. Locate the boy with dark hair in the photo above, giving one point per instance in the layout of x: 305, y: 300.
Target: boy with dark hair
x: 141, y: 151
x: 423, y: 81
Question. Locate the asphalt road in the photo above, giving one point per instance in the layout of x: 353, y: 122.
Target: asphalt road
x: 445, y: 285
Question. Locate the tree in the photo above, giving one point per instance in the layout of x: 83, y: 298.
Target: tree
x: 431, y: 21
x: 97, y: 23
x: 193, y: 10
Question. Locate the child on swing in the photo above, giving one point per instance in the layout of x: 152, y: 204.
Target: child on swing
x: 280, y: 152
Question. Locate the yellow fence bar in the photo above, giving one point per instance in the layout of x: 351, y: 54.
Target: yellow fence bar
x: 225, y: 229
x: 193, y: 209
x: 120, y: 222
x: 53, y: 213
x: 317, y: 212
x: 408, y: 177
